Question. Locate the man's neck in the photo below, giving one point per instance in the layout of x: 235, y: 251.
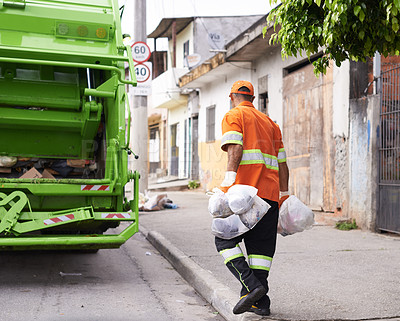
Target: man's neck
x: 245, y: 103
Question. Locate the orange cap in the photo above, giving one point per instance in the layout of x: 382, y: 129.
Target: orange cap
x: 242, y: 83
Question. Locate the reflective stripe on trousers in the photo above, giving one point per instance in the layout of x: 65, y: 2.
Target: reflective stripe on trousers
x: 230, y: 254
x: 260, y: 262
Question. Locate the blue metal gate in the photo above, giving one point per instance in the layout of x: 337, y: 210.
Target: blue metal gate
x: 388, y: 218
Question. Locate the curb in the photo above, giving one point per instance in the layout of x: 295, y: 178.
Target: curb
x: 212, y: 290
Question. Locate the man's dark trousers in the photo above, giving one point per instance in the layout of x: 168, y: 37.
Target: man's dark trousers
x: 260, y: 243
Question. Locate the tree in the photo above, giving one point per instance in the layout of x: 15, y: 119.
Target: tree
x: 344, y: 29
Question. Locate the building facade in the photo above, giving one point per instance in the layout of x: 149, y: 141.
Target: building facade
x: 330, y: 124
x: 191, y: 41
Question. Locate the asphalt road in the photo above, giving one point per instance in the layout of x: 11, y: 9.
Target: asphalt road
x: 131, y: 283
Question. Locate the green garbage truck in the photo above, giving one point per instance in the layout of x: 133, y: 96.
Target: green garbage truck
x: 65, y: 126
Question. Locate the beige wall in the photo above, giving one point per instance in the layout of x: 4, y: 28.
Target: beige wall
x: 212, y: 164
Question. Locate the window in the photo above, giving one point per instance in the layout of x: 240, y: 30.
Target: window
x: 263, y: 94
x: 263, y: 102
x: 185, y: 53
x: 210, y: 123
x: 174, y: 140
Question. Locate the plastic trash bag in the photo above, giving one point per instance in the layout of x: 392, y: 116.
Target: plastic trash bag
x: 241, y: 198
x: 294, y: 216
x: 155, y: 203
x: 255, y: 213
x: 235, y: 225
x: 228, y: 227
x: 218, y: 204
x: 6, y: 161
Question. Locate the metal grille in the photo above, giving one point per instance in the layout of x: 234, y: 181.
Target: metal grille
x: 210, y: 123
x: 389, y: 152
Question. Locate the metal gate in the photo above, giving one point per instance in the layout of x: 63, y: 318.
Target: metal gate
x: 388, y: 218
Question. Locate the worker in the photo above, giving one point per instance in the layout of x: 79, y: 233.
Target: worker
x: 256, y: 157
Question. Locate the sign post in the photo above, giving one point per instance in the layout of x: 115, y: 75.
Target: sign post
x: 139, y: 114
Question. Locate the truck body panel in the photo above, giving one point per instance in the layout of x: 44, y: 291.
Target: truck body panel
x: 64, y: 125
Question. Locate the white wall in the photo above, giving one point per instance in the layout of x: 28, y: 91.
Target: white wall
x: 176, y: 115
x: 271, y: 64
x: 217, y: 93
x: 183, y: 36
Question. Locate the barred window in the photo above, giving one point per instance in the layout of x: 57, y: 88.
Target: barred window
x: 210, y: 123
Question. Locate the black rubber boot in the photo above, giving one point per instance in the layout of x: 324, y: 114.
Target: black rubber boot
x: 241, y: 270
x: 260, y: 311
x: 245, y: 303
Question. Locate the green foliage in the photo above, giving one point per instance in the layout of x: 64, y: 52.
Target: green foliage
x: 193, y: 184
x: 347, y: 225
x: 344, y: 29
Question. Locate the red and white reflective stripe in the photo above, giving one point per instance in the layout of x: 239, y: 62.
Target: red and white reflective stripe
x: 59, y: 219
x: 95, y: 187
x: 115, y: 215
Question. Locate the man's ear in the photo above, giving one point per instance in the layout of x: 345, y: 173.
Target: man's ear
x: 252, y: 98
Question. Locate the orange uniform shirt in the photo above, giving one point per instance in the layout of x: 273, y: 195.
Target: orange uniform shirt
x: 262, y: 145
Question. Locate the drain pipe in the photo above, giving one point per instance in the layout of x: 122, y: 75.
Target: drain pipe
x: 377, y: 73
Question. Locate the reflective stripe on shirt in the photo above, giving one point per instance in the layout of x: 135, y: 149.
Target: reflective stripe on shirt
x: 255, y: 156
x: 230, y: 254
x: 282, y: 156
x: 260, y: 262
x: 232, y: 137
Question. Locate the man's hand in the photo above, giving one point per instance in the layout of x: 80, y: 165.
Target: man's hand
x: 283, y: 197
x: 230, y: 177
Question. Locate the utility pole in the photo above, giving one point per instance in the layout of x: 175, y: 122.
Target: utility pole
x: 139, y: 137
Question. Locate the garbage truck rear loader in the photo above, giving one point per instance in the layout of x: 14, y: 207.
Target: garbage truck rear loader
x: 64, y: 126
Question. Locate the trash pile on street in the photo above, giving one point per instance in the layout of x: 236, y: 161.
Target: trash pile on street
x: 155, y: 203
x: 34, y: 167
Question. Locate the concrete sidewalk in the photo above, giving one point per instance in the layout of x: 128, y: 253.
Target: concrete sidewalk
x: 320, y: 274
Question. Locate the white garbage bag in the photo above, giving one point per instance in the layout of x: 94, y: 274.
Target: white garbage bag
x: 255, y: 213
x: 241, y: 198
x: 294, y: 216
x: 218, y: 204
x: 8, y: 161
x: 235, y: 225
x: 228, y: 227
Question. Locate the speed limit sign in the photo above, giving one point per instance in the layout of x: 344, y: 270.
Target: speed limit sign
x: 143, y: 72
x: 143, y: 76
x: 140, y: 52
